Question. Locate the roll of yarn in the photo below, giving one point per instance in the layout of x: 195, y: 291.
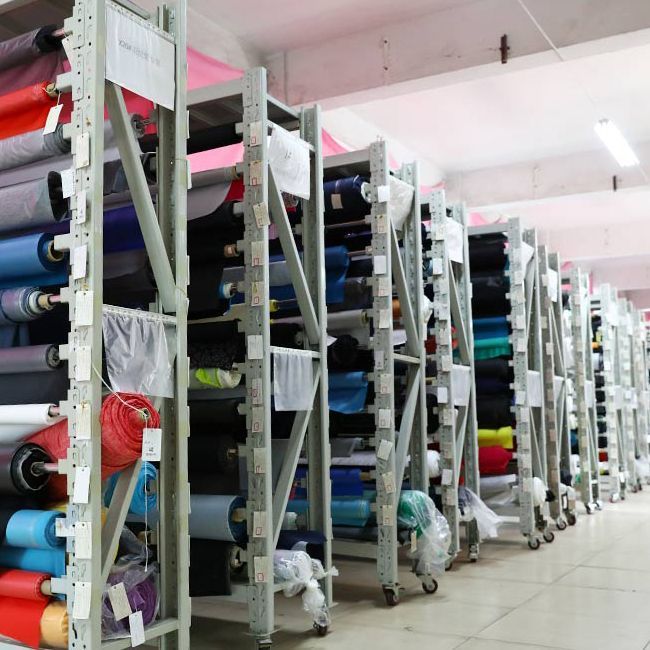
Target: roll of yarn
x: 144, y: 498
x: 123, y: 418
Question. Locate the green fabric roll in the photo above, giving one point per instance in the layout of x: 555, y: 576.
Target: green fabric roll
x: 493, y: 347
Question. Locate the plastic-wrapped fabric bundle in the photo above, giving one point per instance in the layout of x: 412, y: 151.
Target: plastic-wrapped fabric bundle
x: 487, y: 252
x: 491, y: 327
x: 27, y: 47
x: 25, y: 109
x: 122, y: 418
x: 32, y: 146
x: 501, y: 437
x: 309, y: 541
x: 489, y: 295
x: 144, y: 499
x: 346, y: 198
x: 31, y: 260
x: 347, y: 391
x: 473, y: 508
x: 433, y: 463
x: 417, y: 512
x: 493, y: 412
x: 493, y: 460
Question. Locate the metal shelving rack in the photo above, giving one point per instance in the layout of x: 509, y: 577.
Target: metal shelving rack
x: 558, y: 442
x: 457, y: 435
x: 625, y: 332
x: 401, y: 268
x: 164, y: 231
x: 640, y: 381
x: 584, y: 385
x: 246, y: 104
x: 525, y: 323
x: 606, y: 301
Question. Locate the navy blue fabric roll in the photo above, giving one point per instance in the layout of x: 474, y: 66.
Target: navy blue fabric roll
x: 489, y: 295
x: 310, y: 541
x: 494, y: 369
x: 493, y: 412
x: 491, y: 386
x: 491, y: 327
x: 344, y: 199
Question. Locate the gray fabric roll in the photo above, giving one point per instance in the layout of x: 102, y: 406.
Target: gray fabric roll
x: 20, y: 305
x: 28, y: 359
x: 31, y: 147
x: 19, y: 50
x: 32, y: 204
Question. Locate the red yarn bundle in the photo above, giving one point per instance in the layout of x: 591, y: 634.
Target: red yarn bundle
x: 121, y: 436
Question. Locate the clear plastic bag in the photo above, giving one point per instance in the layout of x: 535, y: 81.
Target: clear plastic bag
x: 430, y: 544
x: 433, y: 463
x: 539, y: 492
x: 472, y: 507
x: 139, y: 353
x: 400, y: 202
x: 296, y: 572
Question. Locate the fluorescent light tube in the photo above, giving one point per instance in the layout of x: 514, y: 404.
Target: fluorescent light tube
x: 616, y: 143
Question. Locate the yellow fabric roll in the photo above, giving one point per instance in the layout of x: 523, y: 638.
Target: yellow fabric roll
x: 495, y: 437
x: 54, y: 625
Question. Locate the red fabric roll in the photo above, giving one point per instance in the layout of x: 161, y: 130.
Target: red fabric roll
x: 22, y: 584
x: 493, y: 460
x: 24, y: 110
x: 121, y: 437
x: 20, y: 619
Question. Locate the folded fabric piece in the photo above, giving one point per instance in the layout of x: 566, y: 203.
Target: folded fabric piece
x: 493, y: 460
x: 347, y: 391
x: 501, y: 437
x: 492, y: 348
x: 491, y: 327
x: 493, y: 412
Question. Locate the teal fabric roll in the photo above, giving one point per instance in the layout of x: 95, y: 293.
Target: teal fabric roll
x: 33, y: 529
x: 345, y: 512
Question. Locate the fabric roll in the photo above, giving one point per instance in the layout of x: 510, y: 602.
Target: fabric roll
x: 489, y: 295
x: 210, y: 568
x: 491, y: 327
x: 144, y: 497
x: 491, y: 348
x: 501, y: 437
x: 491, y: 386
x: 27, y: 387
x: 21, y: 305
x: 493, y: 460
x: 493, y: 412
x: 50, y: 561
x: 356, y: 294
x: 360, y: 267
x: 345, y: 512
x: 33, y: 529
x: 30, y: 261
x: 17, y: 475
x: 212, y: 137
x: 346, y: 198
x: 357, y: 423
x: 346, y: 482
x: 31, y: 147
x: 210, y: 453
x: 344, y: 354
x: 15, y: 583
x: 25, y: 109
x: 487, y: 252
x: 494, y: 368
x: 216, y: 413
x: 212, y: 516
x: 347, y: 391
x: 54, y: 625
x: 20, y: 620
x: 27, y: 47
x: 17, y: 421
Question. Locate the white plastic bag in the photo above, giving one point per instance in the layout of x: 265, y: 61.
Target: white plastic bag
x: 140, y: 353
x: 487, y: 520
x: 539, y: 492
x: 433, y: 463
x: 289, y: 161
x: 400, y: 202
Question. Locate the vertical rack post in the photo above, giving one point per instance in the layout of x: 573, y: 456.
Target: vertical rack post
x: 625, y: 340
x: 641, y: 390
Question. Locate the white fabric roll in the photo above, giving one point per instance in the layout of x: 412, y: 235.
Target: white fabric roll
x: 17, y: 421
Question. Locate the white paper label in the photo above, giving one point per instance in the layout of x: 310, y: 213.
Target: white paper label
x: 82, y: 150
x: 259, y: 523
x: 255, y: 346
x: 81, y: 605
x: 52, y: 119
x: 83, y: 421
x: 255, y: 133
x: 384, y: 449
x: 83, y: 546
x: 257, y: 253
x: 257, y: 419
x: 67, y: 47
x: 389, y: 482
x: 67, y: 182
x: 257, y: 294
x: 379, y: 360
x: 79, y: 262
x: 447, y: 477
x: 83, y: 363
x: 381, y: 222
x: 261, y: 212
x: 255, y: 169
x: 387, y: 517
x: 385, y: 380
x: 259, y: 460
x: 384, y: 418
x: 151, y: 444
x: 261, y: 564
x: 119, y: 601
x: 136, y: 627
x: 379, y: 264
x: 139, y: 58
x: 385, y: 318
x: 383, y: 193
x: 256, y: 392
x: 81, y: 206
x: 83, y: 308
x: 337, y: 204
x: 81, y: 485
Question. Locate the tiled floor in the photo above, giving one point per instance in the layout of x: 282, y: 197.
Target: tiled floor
x: 589, y: 589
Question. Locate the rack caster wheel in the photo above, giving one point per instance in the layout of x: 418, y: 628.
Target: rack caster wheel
x: 534, y: 543
x: 561, y: 524
x: 589, y: 508
x: 321, y: 630
x: 430, y: 587
x: 571, y: 518
x: 267, y: 644
x: 392, y: 598
x: 449, y: 565
x: 548, y: 536
x: 599, y: 505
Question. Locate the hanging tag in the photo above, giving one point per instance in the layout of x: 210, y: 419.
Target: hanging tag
x: 382, y: 224
x: 389, y: 482
x: 387, y: 517
x: 257, y: 419
x: 255, y: 172
x: 384, y: 287
x: 261, y: 565
x: 79, y: 262
x: 337, y: 203
x: 385, y: 381
x: 136, y: 627
x: 257, y: 297
x: 83, y: 363
x: 83, y: 428
x: 379, y: 360
x: 383, y: 193
x: 384, y: 449
x: 52, y: 119
x: 83, y: 308
x: 81, y: 490
x: 259, y: 523
x: 257, y: 253
x: 384, y: 419
x: 151, y: 444
x: 255, y: 133
x: 255, y: 346
x: 261, y: 212
x: 379, y: 265
x: 81, y: 207
x: 82, y: 150
x: 443, y: 395
x: 447, y: 477
x: 256, y: 392
x: 67, y: 182
x: 67, y: 47
x: 83, y: 543
x: 385, y: 318
x: 259, y: 460
x: 119, y: 601
x: 81, y: 605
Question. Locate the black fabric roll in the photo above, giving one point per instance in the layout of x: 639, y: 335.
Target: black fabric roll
x: 203, y: 291
x: 16, y: 474
x: 209, y: 568
x: 35, y: 388
x: 600, y: 395
x: 494, y: 412
x: 602, y: 442
x: 601, y: 410
x: 344, y: 354
x: 487, y: 252
x: 212, y: 453
x: 45, y: 40
x: 360, y: 268
x: 599, y: 381
x: 212, y: 483
x: 212, y: 137
x: 207, y: 236
x: 491, y: 386
x: 355, y: 423
x: 498, y: 368
x: 489, y: 295
x: 216, y: 413
x: 602, y: 427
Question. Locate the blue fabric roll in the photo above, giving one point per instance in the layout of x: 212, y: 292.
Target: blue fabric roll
x: 24, y: 262
x: 50, y: 561
x: 346, y: 482
x: 143, y: 500
x: 33, y: 529
x: 347, y: 391
x: 350, y: 201
x: 491, y: 327
x: 345, y: 512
